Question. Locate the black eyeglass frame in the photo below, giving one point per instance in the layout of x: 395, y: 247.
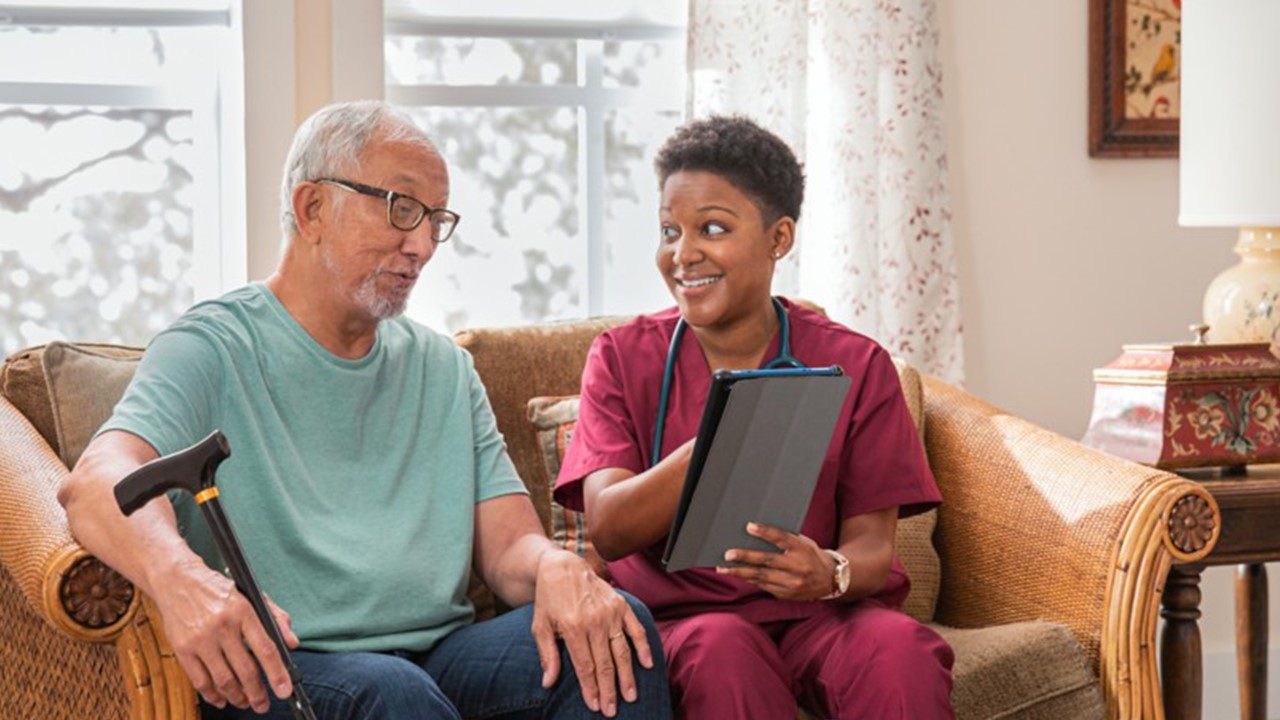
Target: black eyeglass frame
x: 391, y: 197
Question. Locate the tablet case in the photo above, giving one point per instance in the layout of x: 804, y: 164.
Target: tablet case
x: 760, y: 447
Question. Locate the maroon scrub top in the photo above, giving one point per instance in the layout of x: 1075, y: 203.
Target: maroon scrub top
x: 875, y: 460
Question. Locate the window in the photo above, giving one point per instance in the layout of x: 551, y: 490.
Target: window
x: 119, y: 198
x: 549, y: 124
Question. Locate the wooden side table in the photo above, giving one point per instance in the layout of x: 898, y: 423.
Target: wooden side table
x: 1250, y: 516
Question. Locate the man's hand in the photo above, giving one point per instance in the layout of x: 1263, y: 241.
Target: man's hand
x: 216, y: 636
x: 595, y: 622
x: 802, y: 571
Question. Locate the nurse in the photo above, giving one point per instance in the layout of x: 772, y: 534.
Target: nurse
x: 817, y: 622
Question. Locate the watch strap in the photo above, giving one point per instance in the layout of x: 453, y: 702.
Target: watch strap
x: 842, y: 563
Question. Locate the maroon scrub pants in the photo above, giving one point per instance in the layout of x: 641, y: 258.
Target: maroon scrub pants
x: 862, y: 660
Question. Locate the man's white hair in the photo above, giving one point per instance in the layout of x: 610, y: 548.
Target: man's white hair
x: 329, y: 144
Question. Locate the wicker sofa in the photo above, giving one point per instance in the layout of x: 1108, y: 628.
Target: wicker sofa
x: 1052, y: 555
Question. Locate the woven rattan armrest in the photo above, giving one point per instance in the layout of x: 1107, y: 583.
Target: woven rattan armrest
x: 1037, y: 526
x: 65, y: 585
x: 72, y: 590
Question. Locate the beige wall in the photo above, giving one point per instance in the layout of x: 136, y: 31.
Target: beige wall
x: 299, y: 56
x: 269, y: 102
x: 1063, y: 257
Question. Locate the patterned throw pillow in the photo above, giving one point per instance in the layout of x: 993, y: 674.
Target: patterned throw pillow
x: 553, y: 419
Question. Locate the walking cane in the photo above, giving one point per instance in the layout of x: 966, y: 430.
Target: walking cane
x: 193, y: 470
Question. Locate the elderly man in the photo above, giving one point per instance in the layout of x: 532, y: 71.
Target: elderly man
x: 367, y: 477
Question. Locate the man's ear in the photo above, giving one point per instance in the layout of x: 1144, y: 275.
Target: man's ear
x: 307, y: 201
x: 783, y: 237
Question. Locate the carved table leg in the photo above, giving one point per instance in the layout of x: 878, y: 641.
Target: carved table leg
x: 1181, y: 681
x: 1251, y: 640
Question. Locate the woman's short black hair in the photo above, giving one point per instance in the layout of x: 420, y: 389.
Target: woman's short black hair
x: 755, y: 160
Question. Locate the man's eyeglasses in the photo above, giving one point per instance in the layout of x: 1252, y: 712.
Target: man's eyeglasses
x: 404, y: 212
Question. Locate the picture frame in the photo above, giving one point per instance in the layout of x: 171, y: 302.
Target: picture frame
x: 1135, y: 54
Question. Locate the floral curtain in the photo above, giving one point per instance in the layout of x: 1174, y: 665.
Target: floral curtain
x: 855, y: 86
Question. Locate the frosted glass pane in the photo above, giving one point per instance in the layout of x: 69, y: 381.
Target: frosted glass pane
x: 632, y: 138
x: 518, y: 256
x: 415, y: 60
x: 106, y: 55
x: 95, y: 223
x: 642, y: 63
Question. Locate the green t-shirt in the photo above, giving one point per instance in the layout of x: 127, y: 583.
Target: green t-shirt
x: 351, y: 483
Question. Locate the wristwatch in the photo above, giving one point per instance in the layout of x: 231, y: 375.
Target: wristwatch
x: 840, y: 581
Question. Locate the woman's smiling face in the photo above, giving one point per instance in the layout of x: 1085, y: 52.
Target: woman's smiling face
x: 714, y: 252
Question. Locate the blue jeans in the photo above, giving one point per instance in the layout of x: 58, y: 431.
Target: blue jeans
x: 486, y: 670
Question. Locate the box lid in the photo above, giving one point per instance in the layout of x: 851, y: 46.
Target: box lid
x: 1193, y: 362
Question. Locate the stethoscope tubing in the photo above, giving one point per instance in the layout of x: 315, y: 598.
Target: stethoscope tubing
x: 784, y: 358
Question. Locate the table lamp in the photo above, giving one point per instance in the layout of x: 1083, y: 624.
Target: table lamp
x: 1229, y: 165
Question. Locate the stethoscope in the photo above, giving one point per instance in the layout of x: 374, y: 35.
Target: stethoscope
x: 784, y: 358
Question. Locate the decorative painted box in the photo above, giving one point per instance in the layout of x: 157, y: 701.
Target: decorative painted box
x: 1189, y: 405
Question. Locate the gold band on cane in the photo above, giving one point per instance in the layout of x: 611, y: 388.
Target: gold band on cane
x: 206, y: 494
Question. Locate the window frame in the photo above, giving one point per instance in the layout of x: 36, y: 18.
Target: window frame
x: 589, y: 95
x: 219, y: 253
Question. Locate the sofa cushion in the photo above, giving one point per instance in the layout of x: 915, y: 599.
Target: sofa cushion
x: 517, y: 364
x: 1022, y: 671
x: 554, y: 418
x: 84, y: 385
x: 24, y: 382
x: 914, y: 539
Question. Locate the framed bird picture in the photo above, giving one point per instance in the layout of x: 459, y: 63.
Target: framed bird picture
x: 1135, y: 58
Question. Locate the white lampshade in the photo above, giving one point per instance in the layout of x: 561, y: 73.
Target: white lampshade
x: 1230, y: 131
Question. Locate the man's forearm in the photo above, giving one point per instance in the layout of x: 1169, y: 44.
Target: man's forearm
x: 515, y: 576
x: 143, y: 547
x: 512, y: 549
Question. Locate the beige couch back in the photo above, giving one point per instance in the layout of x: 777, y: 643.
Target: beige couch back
x: 517, y: 364
x: 25, y: 383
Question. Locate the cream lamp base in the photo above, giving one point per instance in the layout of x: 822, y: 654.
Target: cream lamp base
x: 1243, y: 303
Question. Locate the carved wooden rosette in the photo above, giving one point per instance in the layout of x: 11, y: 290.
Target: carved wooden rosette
x: 94, y: 595
x: 1192, y: 523
x: 85, y: 599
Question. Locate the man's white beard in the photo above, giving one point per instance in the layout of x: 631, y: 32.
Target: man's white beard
x: 366, y: 296
x: 380, y: 306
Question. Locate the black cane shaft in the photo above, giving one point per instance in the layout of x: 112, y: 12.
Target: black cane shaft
x: 229, y: 547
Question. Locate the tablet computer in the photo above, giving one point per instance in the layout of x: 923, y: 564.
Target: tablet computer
x: 760, y: 446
